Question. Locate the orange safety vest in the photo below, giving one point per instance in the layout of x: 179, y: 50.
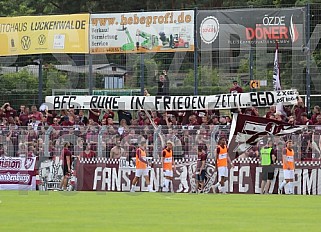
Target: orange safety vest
x: 140, y: 164
x: 221, y: 159
x: 168, y: 160
x: 290, y: 160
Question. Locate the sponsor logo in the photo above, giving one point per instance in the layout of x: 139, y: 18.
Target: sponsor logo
x: 28, y: 163
x: 41, y: 39
x: 25, y: 42
x: 273, y: 28
x: 209, y: 29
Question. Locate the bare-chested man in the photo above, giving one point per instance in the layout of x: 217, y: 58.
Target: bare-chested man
x: 116, y: 152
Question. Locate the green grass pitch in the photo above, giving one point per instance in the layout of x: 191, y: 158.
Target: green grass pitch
x: 111, y: 211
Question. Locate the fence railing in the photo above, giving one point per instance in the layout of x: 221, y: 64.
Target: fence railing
x: 116, y: 141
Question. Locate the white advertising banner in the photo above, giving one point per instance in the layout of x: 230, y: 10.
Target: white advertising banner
x: 163, y: 31
x: 177, y: 103
x: 17, y: 173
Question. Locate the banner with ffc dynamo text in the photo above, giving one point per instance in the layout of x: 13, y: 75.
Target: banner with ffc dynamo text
x: 163, y: 31
x: 176, y: 103
x: 44, y: 34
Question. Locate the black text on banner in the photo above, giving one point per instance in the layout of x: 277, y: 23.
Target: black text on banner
x: 178, y: 103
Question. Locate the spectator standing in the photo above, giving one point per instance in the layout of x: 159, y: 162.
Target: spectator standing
x: 163, y: 85
x: 117, y: 151
x: 35, y: 114
x: 141, y: 167
x: 316, y: 113
x: 94, y: 115
x: 82, y: 117
x: 155, y: 118
x: 236, y: 88
x: 87, y: 153
x: 108, y: 114
x: 288, y: 167
x: 66, y: 159
x: 9, y: 111
x: 268, y: 158
x: 125, y: 115
x: 222, y: 161
x: 168, y: 165
x: 146, y: 93
x: 297, y: 110
x: 24, y: 117
x: 271, y: 112
x: 304, y: 119
x: 200, y: 168
x: 21, y: 110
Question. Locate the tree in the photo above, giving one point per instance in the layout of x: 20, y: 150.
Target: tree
x: 207, y: 76
x: 54, y: 79
x: 22, y: 80
x: 11, y: 8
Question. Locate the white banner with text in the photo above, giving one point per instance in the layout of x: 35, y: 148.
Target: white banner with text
x: 17, y: 173
x: 176, y: 103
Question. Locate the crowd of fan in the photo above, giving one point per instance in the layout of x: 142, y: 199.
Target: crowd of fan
x: 23, y: 130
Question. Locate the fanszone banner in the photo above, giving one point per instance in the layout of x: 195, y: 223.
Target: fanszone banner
x: 17, y: 173
x: 177, y: 103
x: 164, y: 31
x: 246, y: 28
x: 103, y: 174
x: 44, y: 34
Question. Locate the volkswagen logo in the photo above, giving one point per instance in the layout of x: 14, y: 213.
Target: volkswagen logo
x: 41, y: 39
x: 25, y: 42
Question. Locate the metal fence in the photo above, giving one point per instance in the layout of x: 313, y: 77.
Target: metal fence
x: 47, y: 142
x: 215, y: 69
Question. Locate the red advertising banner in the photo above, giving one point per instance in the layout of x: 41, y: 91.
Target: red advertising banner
x: 103, y: 174
x: 17, y: 173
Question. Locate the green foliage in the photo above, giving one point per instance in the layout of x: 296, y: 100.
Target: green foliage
x: 19, y: 80
x: 189, y: 90
x: 316, y: 55
x: 150, y: 72
x: 54, y: 79
x: 207, y: 76
x: 11, y: 8
x: 243, y: 66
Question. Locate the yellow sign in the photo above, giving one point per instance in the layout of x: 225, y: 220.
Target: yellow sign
x: 44, y: 34
x: 255, y: 84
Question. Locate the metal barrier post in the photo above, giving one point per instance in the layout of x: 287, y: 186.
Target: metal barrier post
x: 213, y: 141
x: 47, y: 139
x: 100, y: 141
x: 156, y: 135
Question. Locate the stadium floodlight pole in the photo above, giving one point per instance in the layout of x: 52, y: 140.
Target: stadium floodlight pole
x: 195, y: 54
x: 308, y: 57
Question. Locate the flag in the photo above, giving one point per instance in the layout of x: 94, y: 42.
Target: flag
x: 247, y: 130
x: 276, y: 79
x: 276, y: 71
